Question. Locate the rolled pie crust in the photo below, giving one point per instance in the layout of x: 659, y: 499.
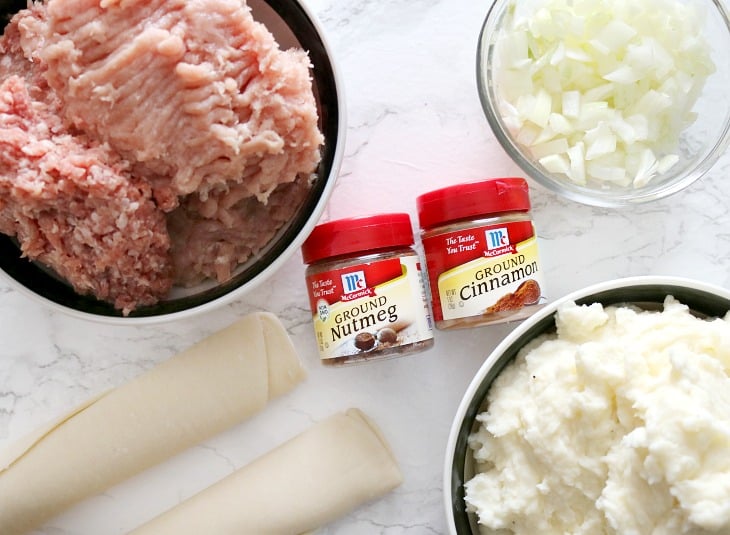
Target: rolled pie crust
x: 307, y: 482
x: 192, y: 396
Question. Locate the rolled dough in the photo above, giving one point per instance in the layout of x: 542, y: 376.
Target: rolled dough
x: 307, y: 482
x: 194, y: 395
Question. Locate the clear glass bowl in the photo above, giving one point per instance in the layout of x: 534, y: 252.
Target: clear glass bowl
x: 699, y: 146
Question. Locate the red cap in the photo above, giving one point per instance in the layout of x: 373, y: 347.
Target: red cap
x: 465, y: 201
x: 357, y: 234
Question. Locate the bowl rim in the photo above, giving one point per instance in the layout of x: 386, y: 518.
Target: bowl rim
x: 634, y: 282
x: 568, y: 190
x: 265, y: 273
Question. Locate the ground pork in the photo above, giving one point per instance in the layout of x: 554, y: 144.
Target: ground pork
x: 74, y: 207
x: 130, y: 127
x: 211, y: 246
x: 195, y: 92
x: 12, y: 57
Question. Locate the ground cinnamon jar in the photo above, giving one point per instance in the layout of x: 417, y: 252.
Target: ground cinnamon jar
x: 366, y: 290
x: 481, y: 253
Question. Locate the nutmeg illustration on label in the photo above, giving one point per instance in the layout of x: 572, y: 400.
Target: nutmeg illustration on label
x: 366, y: 289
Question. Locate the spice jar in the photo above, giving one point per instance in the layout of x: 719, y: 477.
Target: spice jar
x: 481, y: 253
x: 366, y: 289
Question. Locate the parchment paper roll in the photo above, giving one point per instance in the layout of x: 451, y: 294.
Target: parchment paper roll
x: 318, y: 476
x: 210, y: 387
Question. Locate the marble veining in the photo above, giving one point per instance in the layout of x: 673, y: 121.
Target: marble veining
x: 414, y: 124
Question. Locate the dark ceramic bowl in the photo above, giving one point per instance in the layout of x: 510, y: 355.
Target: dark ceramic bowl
x: 292, y: 25
x: 645, y: 292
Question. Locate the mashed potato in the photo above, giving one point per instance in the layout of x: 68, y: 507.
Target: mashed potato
x: 619, y: 424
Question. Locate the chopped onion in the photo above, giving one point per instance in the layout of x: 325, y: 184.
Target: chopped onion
x: 556, y: 146
x: 600, y: 90
x: 556, y: 163
x: 613, y: 36
x: 576, y: 155
x: 600, y: 141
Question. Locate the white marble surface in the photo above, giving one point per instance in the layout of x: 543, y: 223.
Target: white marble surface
x: 414, y: 124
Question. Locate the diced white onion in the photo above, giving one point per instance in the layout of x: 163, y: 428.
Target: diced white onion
x: 560, y: 124
x: 600, y: 141
x: 556, y: 146
x: 571, y: 103
x: 541, y: 108
x: 576, y: 155
x: 624, y: 74
x: 555, y: 163
x: 600, y: 90
x: 645, y: 168
x: 613, y: 36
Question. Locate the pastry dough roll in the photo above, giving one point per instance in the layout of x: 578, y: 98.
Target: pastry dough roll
x: 208, y: 388
x: 309, y: 481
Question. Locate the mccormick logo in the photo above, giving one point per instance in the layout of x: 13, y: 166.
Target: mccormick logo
x: 498, y: 242
x: 497, y: 238
x: 354, y: 286
x: 352, y: 282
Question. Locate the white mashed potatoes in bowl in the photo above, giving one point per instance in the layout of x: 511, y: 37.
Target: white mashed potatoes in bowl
x: 608, y: 412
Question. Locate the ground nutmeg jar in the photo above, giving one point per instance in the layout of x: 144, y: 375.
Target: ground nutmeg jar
x: 366, y: 290
x: 481, y: 253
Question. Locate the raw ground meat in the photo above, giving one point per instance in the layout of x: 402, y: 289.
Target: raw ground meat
x: 73, y: 206
x: 212, y: 247
x: 149, y: 142
x: 13, y: 60
x: 195, y: 92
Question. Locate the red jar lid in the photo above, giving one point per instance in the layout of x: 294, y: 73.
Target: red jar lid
x: 357, y: 234
x: 473, y: 199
